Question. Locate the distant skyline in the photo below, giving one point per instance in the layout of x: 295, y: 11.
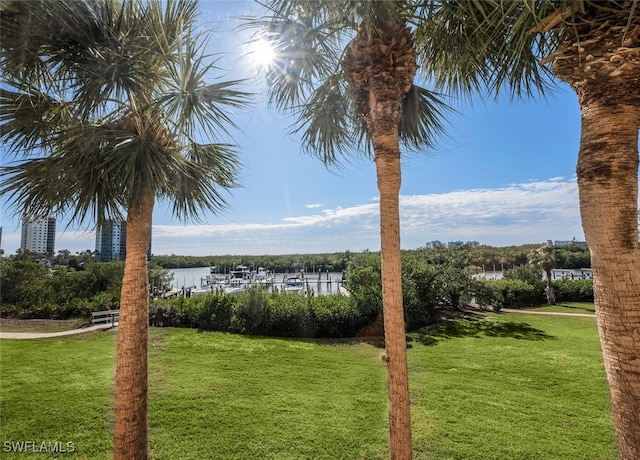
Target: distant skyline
x: 505, y: 175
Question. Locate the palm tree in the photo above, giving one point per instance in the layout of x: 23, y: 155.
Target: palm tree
x: 545, y: 257
x: 346, y: 71
x: 106, y: 108
x: 594, y: 46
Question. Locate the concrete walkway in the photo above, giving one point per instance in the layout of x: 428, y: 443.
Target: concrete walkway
x: 44, y: 335
x: 552, y: 313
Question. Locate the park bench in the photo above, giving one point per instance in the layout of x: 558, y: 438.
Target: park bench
x: 105, y: 317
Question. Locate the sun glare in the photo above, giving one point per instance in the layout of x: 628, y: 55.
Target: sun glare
x: 262, y: 53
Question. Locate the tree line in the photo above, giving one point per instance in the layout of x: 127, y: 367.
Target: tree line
x: 484, y: 257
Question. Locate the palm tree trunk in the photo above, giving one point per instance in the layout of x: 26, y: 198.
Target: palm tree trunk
x: 388, y: 172
x: 130, y: 432
x: 382, y: 121
x: 551, y: 297
x: 608, y: 186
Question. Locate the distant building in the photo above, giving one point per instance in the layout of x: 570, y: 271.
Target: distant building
x: 111, y: 241
x: 565, y: 242
x: 39, y: 235
x: 436, y: 243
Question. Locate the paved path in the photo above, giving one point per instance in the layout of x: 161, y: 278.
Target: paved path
x: 44, y: 335
x: 553, y: 313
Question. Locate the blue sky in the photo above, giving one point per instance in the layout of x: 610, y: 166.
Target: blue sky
x: 505, y: 175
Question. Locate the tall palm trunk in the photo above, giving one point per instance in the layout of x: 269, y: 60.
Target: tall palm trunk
x: 130, y: 432
x: 604, y: 70
x: 380, y: 64
x: 608, y: 185
x: 388, y: 172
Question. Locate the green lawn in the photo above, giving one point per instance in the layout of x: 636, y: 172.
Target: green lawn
x: 529, y: 387
x: 567, y: 307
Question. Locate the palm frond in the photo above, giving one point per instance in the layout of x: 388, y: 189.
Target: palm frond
x: 28, y: 117
x: 423, y: 120
x: 87, y: 112
x: 202, y: 175
x: 24, y: 28
x: 480, y: 46
x: 191, y: 103
x: 307, y: 39
x: 325, y: 122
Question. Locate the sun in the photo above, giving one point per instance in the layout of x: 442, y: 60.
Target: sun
x: 262, y: 53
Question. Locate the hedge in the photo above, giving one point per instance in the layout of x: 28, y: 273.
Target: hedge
x: 259, y: 313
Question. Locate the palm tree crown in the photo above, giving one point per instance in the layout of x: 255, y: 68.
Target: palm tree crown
x: 314, y: 41
x: 112, y: 108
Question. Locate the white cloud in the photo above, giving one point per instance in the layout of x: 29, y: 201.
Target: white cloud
x: 313, y: 205
x: 514, y: 214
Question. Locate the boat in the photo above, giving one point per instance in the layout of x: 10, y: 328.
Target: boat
x: 294, y: 285
x: 263, y: 277
x: 241, y: 272
x: 235, y: 286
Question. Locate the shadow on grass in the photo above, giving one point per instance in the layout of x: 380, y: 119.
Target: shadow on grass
x: 474, y: 327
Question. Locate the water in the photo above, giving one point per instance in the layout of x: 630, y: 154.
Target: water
x: 191, y: 277
x: 188, y: 276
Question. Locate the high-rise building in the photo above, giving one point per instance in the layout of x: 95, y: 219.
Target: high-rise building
x: 39, y: 235
x: 111, y: 241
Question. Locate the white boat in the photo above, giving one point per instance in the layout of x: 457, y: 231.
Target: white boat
x: 263, y: 277
x: 235, y: 286
x: 241, y: 272
x: 294, y: 285
x: 199, y: 291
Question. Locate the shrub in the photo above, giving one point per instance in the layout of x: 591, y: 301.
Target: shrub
x: 289, y: 316
x: 251, y: 313
x: 161, y: 314
x: 486, y: 292
x: 216, y: 312
x: 573, y: 290
x: 338, y: 316
x: 530, y: 274
x: 517, y: 293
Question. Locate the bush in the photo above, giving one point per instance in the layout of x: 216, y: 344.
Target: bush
x: 573, y: 290
x: 289, y: 316
x: 338, y: 316
x: 216, y: 313
x: 251, y: 313
x: 161, y: 314
x: 260, y: 313
x: 517, y: 293
x: 486, y: 292
x: 530, y: 274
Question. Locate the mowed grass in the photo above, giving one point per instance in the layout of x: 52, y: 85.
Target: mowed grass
x: 504, y: 387
x: 568, y: 307
x: 58, y: 390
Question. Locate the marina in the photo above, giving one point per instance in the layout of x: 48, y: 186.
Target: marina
x: 202, y: 280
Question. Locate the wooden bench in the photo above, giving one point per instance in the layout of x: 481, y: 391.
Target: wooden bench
x: 105, y: 317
